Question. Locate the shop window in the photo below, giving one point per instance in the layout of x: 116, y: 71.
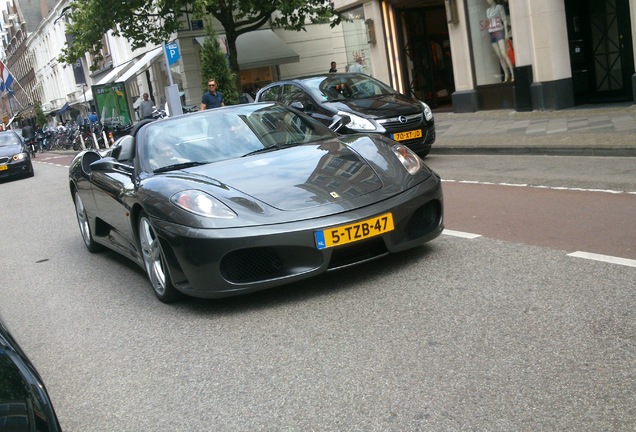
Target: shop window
x: 356, y: 42
x: 491, y: 37
x: 253, y: 79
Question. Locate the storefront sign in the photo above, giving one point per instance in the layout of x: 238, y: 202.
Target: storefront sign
x: 112, y: 104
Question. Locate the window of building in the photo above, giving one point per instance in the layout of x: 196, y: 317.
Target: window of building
x: 356, y: 42
x: 491, y: 37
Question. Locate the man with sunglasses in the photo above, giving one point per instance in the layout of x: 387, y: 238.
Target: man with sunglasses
x: 212, y: 98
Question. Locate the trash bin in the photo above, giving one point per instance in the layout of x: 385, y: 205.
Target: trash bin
x: 523, y: 81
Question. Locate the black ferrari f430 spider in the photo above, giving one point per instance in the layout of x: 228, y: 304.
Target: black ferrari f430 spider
x: 247, y: 197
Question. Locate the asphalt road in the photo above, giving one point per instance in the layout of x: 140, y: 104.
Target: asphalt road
x: 462, y: 334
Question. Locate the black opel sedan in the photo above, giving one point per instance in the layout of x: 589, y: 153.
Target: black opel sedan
x: 14, y: 157
x: 372, y: 106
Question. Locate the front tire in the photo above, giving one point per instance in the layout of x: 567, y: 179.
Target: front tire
x: 155, y: 262
x: 85, y: 228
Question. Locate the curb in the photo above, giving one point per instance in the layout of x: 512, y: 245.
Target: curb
x: 552, y: 151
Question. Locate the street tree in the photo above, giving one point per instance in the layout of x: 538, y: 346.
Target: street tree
x: 40, y: 117
x: 214, y: 64
x: 155, y: 21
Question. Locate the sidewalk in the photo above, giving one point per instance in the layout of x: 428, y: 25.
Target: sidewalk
x: 604, y: 130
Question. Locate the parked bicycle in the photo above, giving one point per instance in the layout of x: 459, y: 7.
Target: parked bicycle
x: 62, y: 140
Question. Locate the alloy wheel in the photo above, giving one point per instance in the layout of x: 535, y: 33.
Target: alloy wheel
x: 153, y: 259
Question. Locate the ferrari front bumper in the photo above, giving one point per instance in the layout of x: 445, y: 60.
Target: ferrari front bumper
x: 211, y: 263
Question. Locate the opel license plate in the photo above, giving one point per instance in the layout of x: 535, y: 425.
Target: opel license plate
x: 403, y: 136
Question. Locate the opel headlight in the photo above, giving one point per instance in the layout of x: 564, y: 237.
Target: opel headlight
x: 202, y: 204
x: 428, y: 114
x: 410, y: 160
x: 357, y: 122
x: 19, y: 156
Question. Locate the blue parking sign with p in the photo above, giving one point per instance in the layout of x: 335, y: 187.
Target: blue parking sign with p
x: 172, y: 52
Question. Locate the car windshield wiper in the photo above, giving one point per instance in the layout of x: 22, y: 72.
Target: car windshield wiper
x: 179, y: 166
x: 270, y: 148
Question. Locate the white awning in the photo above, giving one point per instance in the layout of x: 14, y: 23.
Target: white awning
x: 141, y: 65
x: 261, y: 48
x: 81, y: 99
x: 113, y: 74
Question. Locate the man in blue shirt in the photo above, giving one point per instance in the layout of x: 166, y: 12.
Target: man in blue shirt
x: 212, y: 98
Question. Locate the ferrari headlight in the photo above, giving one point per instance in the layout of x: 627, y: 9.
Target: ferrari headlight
x: 19, y: 156
x: 202, y: 204
x: 410, y: 160
x: 428, y: 114
x: 357, y: 122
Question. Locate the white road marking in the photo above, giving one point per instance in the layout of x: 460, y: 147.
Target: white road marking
x: 460, y: 234
x: 604, y: 258
x: 53, y: 164
x: 578, y: 254
x: 50, y: 163
x: 559, y: 188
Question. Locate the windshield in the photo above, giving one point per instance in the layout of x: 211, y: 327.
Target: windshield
x: 339, y: 87
x: 226, y: 133
x: 9, y: 139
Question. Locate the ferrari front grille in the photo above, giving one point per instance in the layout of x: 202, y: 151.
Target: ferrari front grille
x: 261, y: 264
x: 343, y: 256
x: 250, y: 265
x: 424, y: 220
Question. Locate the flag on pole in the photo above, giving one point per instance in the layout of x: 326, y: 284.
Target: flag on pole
x: 6, y: 79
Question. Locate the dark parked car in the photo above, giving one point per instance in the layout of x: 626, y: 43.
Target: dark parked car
x: 15, y: 160
x: 372, y: 106
x: 237, y: 199
x: 24, y: 403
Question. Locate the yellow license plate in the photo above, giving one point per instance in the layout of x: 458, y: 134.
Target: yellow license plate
x: 3, y: 167
x: 354, y: 232
x: 403, y: 136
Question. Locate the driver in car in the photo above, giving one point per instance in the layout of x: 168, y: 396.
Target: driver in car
x: 164, y: 154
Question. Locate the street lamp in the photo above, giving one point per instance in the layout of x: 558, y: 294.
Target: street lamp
x: 84, y: 93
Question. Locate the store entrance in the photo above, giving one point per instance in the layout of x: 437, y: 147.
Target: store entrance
x: 601, y: 54
x: 425, y: 54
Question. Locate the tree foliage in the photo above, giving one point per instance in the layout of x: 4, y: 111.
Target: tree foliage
x: 214, y: 64
x: 155, y: 21
x: 40, y: 118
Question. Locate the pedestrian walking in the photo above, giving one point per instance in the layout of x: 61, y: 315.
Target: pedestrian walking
x: 146, y: 107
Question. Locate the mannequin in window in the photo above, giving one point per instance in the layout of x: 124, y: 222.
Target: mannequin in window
x: 499, y: 34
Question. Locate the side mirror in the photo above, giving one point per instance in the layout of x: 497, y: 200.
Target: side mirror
x: 87, y: 159
x: 339, y: 121
x: 109, y: 164
x: 298, y: 105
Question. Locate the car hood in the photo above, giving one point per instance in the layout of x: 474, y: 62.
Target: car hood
x: 297, y: 183
x: 297, y: 178
x: 378, y: 106
x: 8, y: 151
